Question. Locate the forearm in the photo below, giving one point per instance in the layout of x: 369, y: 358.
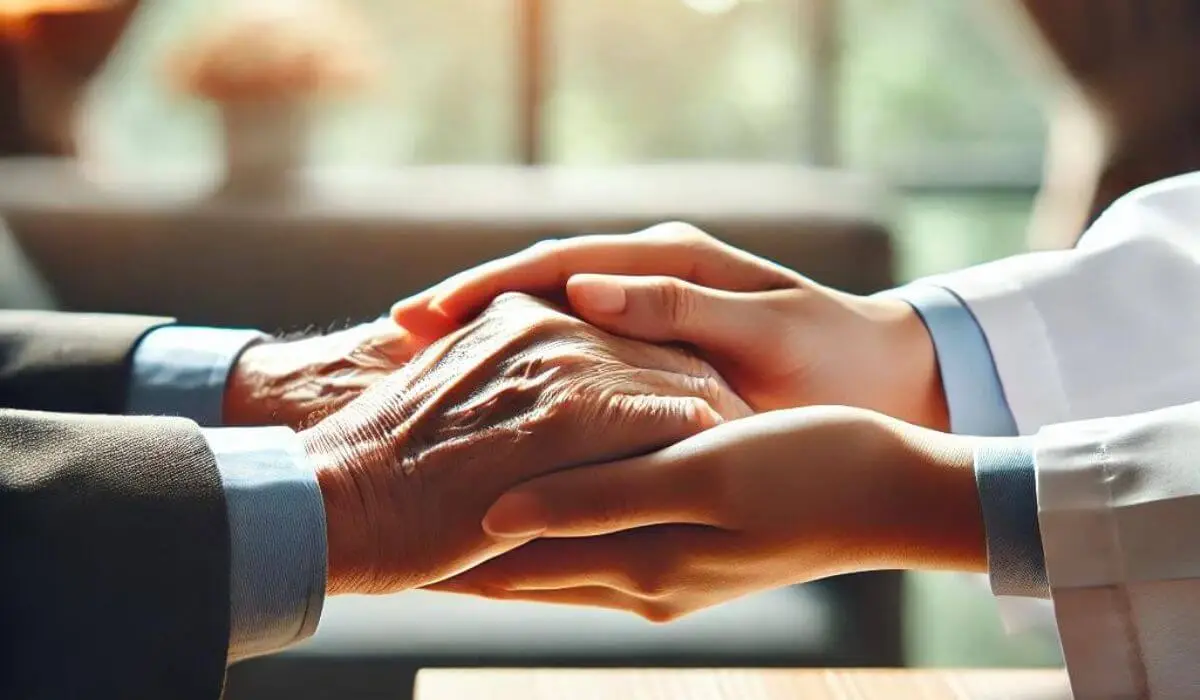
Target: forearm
x: 929, y: 500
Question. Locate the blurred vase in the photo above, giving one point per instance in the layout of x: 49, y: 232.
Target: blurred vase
x: 265, y: 145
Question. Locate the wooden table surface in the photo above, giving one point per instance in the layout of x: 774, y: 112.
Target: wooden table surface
x: 719, y: 684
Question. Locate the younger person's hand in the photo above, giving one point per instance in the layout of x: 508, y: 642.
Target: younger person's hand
x: 776, y: 499
x: 781, y: 340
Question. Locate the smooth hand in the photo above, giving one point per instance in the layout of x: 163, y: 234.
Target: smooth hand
x: 409, y: 469
x: 775, y: 499
x: 780, y: 339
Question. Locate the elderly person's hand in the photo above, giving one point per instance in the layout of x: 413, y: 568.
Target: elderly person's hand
x: 409, y: 469
x: 300, y: 381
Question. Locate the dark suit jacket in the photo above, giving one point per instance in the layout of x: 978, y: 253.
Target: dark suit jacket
x: 113, y: 535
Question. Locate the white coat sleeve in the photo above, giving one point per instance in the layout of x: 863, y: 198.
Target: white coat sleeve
x: 1119, y: 514
x: 1111, y: 327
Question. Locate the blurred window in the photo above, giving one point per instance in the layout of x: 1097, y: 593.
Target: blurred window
x: 927, y: 95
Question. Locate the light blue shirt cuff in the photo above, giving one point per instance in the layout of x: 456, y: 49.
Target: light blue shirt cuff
x: 973, y: 390
x: 1004, y: 469
x: 1005, y: 473
x: 182, y: 370
x: 277, y: 538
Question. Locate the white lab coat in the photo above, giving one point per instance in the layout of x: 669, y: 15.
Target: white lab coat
x: 1112, y: 328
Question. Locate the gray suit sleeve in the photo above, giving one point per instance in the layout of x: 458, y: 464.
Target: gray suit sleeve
x: 70, y: 363
x: 115, y: 548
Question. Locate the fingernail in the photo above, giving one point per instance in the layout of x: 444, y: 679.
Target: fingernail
x: 514, y: 516
x: 597, y: 294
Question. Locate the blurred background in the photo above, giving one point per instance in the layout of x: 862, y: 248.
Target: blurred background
x: 934, y: 98
x: 862, y: 142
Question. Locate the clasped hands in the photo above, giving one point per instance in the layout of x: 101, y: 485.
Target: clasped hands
x: 588, y: 459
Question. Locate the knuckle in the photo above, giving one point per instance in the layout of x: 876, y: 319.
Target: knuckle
x: 493, y: 593
x: 659, y: 613
x: 706, y: 388
x: 675, y: 300
x: 543, y: 252
x: 508, y: 300
x: 522, y: 315
x: 678, y: 232
x: 679, y: 415
x: 641, y: 409
x: 695, y: 412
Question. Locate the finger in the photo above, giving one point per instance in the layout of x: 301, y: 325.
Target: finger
x: 683, y: 373
x: 659, y: 564
x: 659, y: 488
x: 548, y: 564
x: 421, y: 320
x: 584, y: 596
x: 672, y: 249
x: 665, y: 309
x: 627, y: 562
x: 541, y: 268
x: 705, y: 384
x: 636, y: 425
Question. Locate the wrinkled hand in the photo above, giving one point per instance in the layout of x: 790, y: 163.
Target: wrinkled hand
x: 299, y: 382
x: 408, y: 470
x: 776, y: 499
x: 780, y: 339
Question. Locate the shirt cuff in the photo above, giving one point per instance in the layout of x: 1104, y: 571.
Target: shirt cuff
x: 972, y: 386
x: 1006, y: 475
x: 181, y: 371
x: 277, y: 538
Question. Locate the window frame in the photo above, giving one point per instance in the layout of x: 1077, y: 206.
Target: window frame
x: 820, y: 26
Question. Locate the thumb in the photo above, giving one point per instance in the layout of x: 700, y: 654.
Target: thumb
x: 599, y: 500
x: 666, y: 309
x: 416, y: 315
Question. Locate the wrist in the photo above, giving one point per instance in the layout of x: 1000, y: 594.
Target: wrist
x: 356, y: 464
x: 345, y: 521
x: 249, y: 390
x: 916, y: 394
x: 932, y: 500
